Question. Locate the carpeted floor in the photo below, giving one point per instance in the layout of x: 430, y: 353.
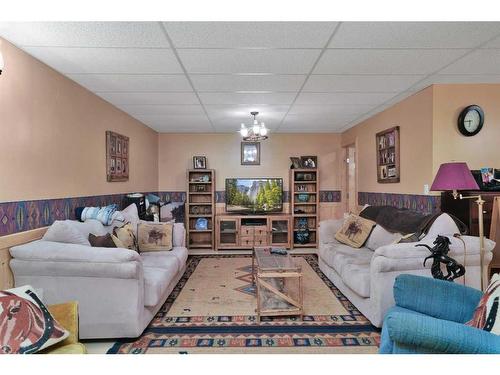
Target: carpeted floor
x: 212, y: 310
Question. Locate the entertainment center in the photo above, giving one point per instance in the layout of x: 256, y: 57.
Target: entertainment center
x: 254, y: 213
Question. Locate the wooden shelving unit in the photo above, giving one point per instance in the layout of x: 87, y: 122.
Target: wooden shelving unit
x: 304, y: 203
x: 200, y: 204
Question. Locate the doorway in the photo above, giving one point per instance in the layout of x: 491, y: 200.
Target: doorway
x: 350, y: 178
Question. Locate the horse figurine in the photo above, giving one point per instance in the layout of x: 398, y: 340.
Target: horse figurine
x: 439, y: 254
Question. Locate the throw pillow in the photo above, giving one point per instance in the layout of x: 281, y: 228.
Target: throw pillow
x: 381, y: 237
x: 63, y: 231
x: 101, y: 241
x: 487, y: 314
x: 354, y: 231
x: 155, y: 236
x: 26, y: 325
x: 127, y: 236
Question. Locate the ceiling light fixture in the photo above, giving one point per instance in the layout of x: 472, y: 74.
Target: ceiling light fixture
x: 255, y: 132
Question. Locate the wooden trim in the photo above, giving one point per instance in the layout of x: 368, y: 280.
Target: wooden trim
x: 6, y: 242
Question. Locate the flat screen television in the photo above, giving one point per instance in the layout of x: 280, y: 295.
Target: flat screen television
x: 254, y: 195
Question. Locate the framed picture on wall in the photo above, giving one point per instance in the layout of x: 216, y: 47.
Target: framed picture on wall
x: 117, y: 157
x: 387, y: 149
x: 199, y: 162
x: 250, y: 153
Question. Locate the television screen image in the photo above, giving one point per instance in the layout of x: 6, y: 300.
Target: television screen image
x: 254, y: 195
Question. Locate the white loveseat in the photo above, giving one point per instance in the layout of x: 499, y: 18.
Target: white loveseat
x: 118, y: 290
x: 366, y: 276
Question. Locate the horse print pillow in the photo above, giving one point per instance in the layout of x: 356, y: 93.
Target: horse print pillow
x: 487, y: 314
x: 355, y: 231
x: 26, y: 325
x: 154, y: 236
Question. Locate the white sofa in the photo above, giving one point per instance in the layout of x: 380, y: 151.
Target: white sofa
x: 366, y: 277
x: 118, y: 290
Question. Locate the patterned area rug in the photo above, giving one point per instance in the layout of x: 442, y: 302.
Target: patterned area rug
x: 212, y: 310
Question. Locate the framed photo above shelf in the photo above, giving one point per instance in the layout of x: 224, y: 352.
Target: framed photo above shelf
x: 387, y: 149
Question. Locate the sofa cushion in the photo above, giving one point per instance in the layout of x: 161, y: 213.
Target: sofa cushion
x: 357, y: 277
x: 63, y: 231
x: 89, y: 226
x: 157, y: 280
x: 381, y: 237
x: 337, y: 255
x: 357, y: 256
x: 443, y: 225
x: 154, y: 259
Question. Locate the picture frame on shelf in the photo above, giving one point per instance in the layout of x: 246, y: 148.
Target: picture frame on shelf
x: 199, y: 162
x: 250, y: 153
x: 309, y: 161
x: 296, y: 162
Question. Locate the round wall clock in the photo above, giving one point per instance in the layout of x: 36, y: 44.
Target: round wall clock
x: 471, y: 120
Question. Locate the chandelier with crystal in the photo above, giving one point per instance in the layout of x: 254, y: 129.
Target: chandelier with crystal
x: 255, y: 132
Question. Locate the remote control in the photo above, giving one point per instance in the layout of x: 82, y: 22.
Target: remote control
x: 278, y: 251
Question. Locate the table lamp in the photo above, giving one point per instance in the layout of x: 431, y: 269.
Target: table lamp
x: 457, y: 176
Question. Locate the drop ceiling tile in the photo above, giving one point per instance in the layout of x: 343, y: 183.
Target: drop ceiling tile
x: 339, y: 109
x: 132, y: 82
x: 483, y: 61
x: 140, y: 98
x: 413, y: 34
x: 310, y: 98
x: 234, y: 82
x: 240, y: 98
x: 290, y: 61
x: 174, y: 124
x: 163, y: 109
x: 107, y: 60
x: 360, y: 83
x: 85, y: 34
x: 495, y: 43
x: 249, y: 34
x: 417, y: 61
x: 241, y: 113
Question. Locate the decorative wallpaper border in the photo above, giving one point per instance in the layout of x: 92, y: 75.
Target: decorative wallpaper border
x: 20, y: 216
x: 422, y: 203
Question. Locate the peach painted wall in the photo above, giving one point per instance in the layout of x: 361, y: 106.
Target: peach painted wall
x: 53, y: 136
x: 223, y: 155
x: 414, y: 117
x: 481, y: 150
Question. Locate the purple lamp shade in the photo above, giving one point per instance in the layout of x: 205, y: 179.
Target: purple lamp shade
x: 454, y: 176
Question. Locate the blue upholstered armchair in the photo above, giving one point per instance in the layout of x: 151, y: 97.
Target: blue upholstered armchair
x: 429, y: 317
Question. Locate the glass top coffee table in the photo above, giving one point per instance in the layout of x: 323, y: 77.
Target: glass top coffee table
x: 278, y: 280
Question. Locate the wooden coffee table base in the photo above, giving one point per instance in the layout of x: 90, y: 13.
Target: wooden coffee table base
x: 278, y: 281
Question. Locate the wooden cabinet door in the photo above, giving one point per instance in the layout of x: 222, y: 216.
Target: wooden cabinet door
x: 228, y: 233
x: 279, y: 231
